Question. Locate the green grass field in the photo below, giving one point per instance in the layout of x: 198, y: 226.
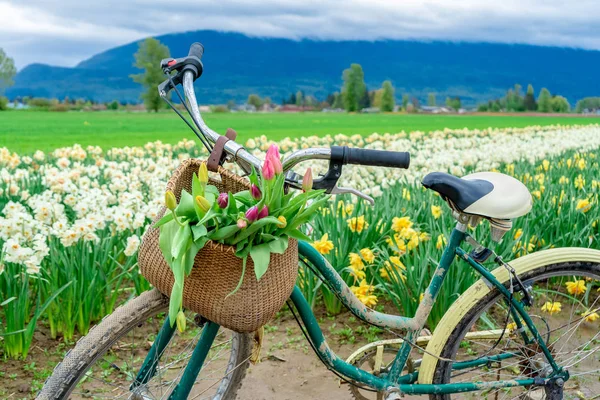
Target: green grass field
x: 26, y: 131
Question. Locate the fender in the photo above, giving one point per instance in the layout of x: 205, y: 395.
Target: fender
x: 479, y: 289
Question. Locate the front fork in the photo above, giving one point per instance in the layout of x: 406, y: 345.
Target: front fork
x: 183, y: 388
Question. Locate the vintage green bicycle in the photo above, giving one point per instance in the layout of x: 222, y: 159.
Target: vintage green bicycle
x: 502, y: 339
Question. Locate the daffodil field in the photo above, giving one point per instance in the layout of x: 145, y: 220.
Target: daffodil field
x: 71, y: 220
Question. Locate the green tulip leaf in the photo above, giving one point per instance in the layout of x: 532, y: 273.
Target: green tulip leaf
x: 261, y: 255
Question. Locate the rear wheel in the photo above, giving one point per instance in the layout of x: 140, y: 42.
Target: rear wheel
x: 104, y: 363
x: 566, y: 312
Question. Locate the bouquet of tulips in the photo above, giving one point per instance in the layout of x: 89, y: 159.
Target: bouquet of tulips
x: 257, y: 222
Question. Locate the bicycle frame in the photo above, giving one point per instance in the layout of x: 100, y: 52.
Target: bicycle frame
x: 393, y: 379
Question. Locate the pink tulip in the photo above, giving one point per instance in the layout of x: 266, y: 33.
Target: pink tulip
x: 255, y: 192
x: 223, y: 200
x: 264, y: 212
x: 307, y: 181
x: 241, y: 223
x: 268, y: 172
x: 252, y: 214
x: 275, y: 157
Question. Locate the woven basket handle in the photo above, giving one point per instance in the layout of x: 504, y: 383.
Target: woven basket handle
x: 216, y: 156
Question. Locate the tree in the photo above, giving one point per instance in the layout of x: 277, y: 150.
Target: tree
x: 588, y: 103
x: 365, y: 100
x: 299, y: 98
x: 529, y: 100
x: 453, y: 103
x: 7, y: 71
x: 431, y: 99
x: 338, y: 101
x: 354, y: 87
x: 255, y: 100
x: 560, y: 104
x: 388, y: 100
x: 544, y: 101
x: 404, y: 101
x: 147, y: 58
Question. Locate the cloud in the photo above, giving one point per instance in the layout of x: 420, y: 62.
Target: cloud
x: 64, y: 32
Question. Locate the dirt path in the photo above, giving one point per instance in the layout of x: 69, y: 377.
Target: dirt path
x: 289, y: 369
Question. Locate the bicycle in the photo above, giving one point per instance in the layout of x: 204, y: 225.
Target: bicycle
x: 494, y: 340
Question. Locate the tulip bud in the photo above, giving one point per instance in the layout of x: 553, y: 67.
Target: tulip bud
x: 203, y: 173
x: 255, y: 192
x: 181, y: 322
x: 170, y: 200
x: 252, y: 214
x: 223, y: 200
x: 282, y: 221
x: 241, y: 223
x: 307, y: 181
x: 268, y: 172
x: 202, y: 203
x: 275, y: 157
x: 264, y: 212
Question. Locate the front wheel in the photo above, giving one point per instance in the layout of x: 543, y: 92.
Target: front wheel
x: 566, y: 312
x: 104, y: 363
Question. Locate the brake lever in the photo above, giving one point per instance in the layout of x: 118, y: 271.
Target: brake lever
x: 344, y: 190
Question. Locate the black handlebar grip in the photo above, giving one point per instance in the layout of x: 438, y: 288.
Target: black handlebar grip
x: 196, y: 50
x: 377, y: 158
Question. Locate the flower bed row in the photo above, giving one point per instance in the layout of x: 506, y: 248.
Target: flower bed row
x: 70, y: 220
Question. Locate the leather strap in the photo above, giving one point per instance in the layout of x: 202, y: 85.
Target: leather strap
x: 216, y: 156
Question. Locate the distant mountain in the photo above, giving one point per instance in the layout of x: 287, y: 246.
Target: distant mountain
x: 236, y: 65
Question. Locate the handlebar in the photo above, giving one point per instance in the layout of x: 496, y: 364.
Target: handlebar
x: 196, y: 50
x: 377, y: 158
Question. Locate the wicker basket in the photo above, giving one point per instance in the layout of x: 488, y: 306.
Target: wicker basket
x: 217, y: 270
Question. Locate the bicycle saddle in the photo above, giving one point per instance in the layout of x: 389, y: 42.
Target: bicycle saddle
x: 487, y: 194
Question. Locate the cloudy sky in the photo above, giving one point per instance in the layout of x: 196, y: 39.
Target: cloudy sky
x: 64, y: 32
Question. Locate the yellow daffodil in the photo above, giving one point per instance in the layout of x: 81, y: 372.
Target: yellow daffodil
x: 579, y: 182
x: 356, y: 261
x: 590, y: 315
x: 581, y: 164
x: 537, y: 193
x: 563, y: 180
x: 367, y: 255
x: 324, y: 245
x: 398, y: 224
x: 421, y: 297
x: 583, y: 205
x: 510, y: 169
x: 436, y: 211
x: 552, y: 307
x: 395, y: 266
x: 405, y: 194
x: 546, y: 165
x: 576, y: 287
x: 357, y: 273
x: 441, y: 242
x: 357, y: 224
x: 364, y: 293
x: 518, y: 234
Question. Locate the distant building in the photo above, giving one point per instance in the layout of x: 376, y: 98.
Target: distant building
x: 244, y: 108
x: 333, y: 110
x: 370, y: 110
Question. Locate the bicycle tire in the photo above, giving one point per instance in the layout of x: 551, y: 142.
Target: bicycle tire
x: 101, y: 337
x: 453, y: 342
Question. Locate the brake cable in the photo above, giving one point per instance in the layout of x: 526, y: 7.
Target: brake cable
x: 200, y: 135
